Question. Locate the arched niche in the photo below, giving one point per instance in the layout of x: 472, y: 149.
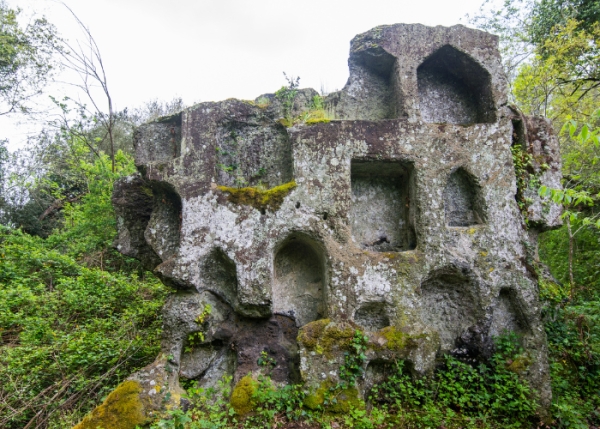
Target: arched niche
x: 455, y: 89
x: 218, y: 273
x: 450, y: 303
x: 463, y: 203
x: 508, y: 314
x: 377, y: 93
x: 163, y: 229
x: 299, y: 286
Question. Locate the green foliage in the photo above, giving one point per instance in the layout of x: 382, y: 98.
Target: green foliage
x: 456, y: 395
x: 266, y: 361
x: 494, y: 394
x: 287, y: 95
x: 25, y: 59
x: 354, y: 361
x: 197, y: 338
x: 574, y: 340
x: 75, y: 317
x: 525, y: 178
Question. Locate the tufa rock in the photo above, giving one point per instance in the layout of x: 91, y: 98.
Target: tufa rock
x: 397, y: 218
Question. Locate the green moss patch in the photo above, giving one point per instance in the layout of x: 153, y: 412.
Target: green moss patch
x: 520, y: 364
x: 259, y: 199
x: 122, y: 409
x: 241, y: 397
x: 316, y: 116
x: 333, y: 400
x: 396, y: 340
x: 325, y: 337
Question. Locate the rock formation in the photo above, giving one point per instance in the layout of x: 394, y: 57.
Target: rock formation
x: 397, y: 217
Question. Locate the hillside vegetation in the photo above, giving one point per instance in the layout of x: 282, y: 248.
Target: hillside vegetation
x: 77, y: 317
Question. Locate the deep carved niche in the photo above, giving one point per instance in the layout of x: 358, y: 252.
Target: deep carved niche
x: 219, y: 275
x: 372, y: 316
x: 163, y: 229
x: 379, y: 90
x: 508, y: 315
x: 249, y: 155
x: 299, y: 287
x: 454, y: 89
x: 463, y: 202
x: 381, y: 213
x: 450, y: 303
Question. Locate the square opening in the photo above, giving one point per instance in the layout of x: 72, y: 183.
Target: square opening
x: 381, y: 213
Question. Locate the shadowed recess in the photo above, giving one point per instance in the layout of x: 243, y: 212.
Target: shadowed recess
x: 299, y: 286
x: 508, y: 314
x: 373, y: 79
x: 218, y: 274
x: 381, y: 216
x: 454, y: 89
x: 372, y: 316
x: 450, y: 303
x: 163, y: 229
x: 463, y: 202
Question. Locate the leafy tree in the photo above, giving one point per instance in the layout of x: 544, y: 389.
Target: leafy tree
x: 546, y: 15
x: 26, y: 62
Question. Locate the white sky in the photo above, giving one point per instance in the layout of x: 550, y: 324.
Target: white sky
x: 209, y: 50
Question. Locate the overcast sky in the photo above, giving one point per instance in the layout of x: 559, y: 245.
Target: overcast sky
x: 208, y: 50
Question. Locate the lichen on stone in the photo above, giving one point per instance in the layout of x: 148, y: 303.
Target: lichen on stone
x: 122, y: 409
x: 259, y: 199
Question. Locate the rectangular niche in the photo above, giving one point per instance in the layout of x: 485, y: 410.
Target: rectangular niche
x: 381, y: 213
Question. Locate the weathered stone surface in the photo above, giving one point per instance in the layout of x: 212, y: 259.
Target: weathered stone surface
x: 402, y: 220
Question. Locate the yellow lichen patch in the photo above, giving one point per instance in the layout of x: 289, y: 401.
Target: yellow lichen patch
x: 483, y: 253
x: 259, y: 199
x: 241, y: 397
x: 286, y: 122
x: 552, y: 291
x: 122, y: 409
x: 147, y: 191
x: 471, y: 231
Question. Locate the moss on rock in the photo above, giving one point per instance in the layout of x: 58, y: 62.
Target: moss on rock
x: 122, y: 409
x: 399, y: 341
x: 241, y: 397
x: 259, y: 199
x: 325, y: 337
x: 395, y: 340
x: 332, y: 399
x: 310, y: 333
x: 520, y: 364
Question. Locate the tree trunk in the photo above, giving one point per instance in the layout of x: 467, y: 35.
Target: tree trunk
x: 571, y: 280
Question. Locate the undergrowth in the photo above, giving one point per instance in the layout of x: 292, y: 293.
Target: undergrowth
x: 456, y: 395
x: 76, y: 317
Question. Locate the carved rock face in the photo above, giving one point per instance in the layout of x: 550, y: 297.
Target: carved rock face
x: 401, y: 217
